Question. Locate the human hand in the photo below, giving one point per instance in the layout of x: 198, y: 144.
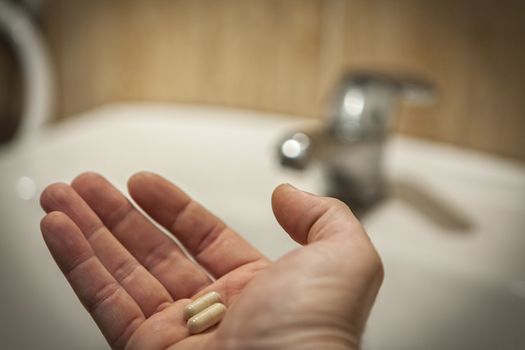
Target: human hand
x: 135, y: 281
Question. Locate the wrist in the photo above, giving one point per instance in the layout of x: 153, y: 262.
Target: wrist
x: 305, y: 339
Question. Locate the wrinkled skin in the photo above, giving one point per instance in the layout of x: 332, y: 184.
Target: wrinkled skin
x: 134, y: 280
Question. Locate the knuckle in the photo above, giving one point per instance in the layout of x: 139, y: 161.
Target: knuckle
x: 334, y: 202
x: 376, y: 265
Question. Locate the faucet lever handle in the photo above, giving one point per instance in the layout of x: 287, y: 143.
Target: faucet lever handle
x: 416, y: 91
x: 410, y: 88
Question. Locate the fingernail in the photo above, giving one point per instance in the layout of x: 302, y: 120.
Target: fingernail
x: 292, y: 186
x: 298, y: 189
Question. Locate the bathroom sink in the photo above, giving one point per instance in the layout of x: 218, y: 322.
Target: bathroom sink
x: 451, y: 232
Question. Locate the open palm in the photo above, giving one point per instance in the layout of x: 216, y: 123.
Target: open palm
x: 134, y: 280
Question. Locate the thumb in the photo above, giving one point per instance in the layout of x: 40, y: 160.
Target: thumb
x: 308, y: 218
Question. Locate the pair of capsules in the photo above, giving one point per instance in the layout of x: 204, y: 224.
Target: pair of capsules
x: 204, y: 312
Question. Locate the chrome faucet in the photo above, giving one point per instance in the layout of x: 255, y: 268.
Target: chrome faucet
x: 350, y: 144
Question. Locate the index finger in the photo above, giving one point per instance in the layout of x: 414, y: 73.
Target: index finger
x: 214, y: 245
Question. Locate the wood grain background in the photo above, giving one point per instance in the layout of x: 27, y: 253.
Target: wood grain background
x: 285, y: 55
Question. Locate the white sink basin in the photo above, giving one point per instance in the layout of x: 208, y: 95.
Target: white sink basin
x: 440, y: 284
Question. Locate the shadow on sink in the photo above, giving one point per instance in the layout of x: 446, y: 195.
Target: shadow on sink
x: 438, y: 210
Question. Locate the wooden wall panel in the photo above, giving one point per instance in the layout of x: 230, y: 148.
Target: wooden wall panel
x: 285, y: 55
x: 253, y: 54
x: 474, y: 52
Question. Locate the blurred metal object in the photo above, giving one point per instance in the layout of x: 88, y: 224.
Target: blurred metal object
x: 350, y: 144
x: 35, y: 63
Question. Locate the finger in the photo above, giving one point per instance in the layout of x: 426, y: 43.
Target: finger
x: 112, y: 308
x: 152, y: 248
x: 147, y: 291
x: 309, y: 218
x: 316, y: 221
x: 329, y: 229
x: 215, y: 246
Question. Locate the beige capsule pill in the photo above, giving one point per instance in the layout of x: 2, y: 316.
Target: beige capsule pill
x: 200, y: 304
x: 206, y: 318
